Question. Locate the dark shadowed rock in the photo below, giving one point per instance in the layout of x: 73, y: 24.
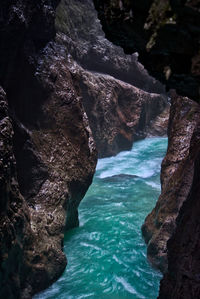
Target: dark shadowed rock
x: 118, y: 112
x: 165, y: 33
x: 82, y: 35
x: 52, y: 145
x: 15, y: 232
x: 177, y: 177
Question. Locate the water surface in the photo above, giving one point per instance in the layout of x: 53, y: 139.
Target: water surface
x: 106, y: 254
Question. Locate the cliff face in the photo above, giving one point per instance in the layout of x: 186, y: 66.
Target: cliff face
x: 14, y: 213
x: 114, y: 86
x: 182, y: 278
x: 177, y: 175
x: 43, y: 123
x: 165, y: 33
x: 48, y: 156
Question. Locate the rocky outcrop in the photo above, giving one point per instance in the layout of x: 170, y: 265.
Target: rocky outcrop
x: 14, y: 214
x: 85, y: 41
x: 165, y: 33
x: 52, y: 146
x: 182, y: 278
x: 158, y: 124
x: 118, y: 112
x: 176, y: 177
x: 48, y: 155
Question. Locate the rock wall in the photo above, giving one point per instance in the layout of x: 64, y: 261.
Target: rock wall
x: 14, y: 214
x: 118, y: 112
x: 177, y: 175
x: 48, y: 155
x: 52, y: 146
x: 182, y: 278
x: 165, y: 33
x: 117, y: 92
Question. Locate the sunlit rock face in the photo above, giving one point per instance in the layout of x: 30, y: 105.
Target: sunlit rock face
x: 48, y: 156
x: 120, y: 98
x: 165, y: 33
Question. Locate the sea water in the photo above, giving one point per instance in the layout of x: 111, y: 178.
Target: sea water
x: 107, y: 254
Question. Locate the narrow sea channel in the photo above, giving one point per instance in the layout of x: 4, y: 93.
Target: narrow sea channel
x: 106, y: 254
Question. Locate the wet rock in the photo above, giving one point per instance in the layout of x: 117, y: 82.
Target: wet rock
x: 82, y: 35
x: 182, y: 277
x: 15, y: 232
x: 52, y: 145
x: 177, y: 177
x: 118, y: 113
x: 106, y: 79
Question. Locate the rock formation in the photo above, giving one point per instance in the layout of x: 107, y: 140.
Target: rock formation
x: 177, y: 175
x: 118, y: 112
x: 120, y: 98
x: 54, y: 154
x: 47, y: 154
x: 166, y: 35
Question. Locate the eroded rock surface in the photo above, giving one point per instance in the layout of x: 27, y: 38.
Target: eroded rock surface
x: 14, y: 214
x: 118, y: 112
x: 182, y: 278
x: 114, y: 87
x: 176, y: 177
x: 52, y: 145
x: 165, y: 33
x: 48, y: 155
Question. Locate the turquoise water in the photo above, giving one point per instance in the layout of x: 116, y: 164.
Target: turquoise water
x: 106, y: 254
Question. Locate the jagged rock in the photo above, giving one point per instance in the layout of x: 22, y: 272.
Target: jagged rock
x: 158, y: 125
x: 118, y: 112
x: 165, y: 33
x: 52, y: 144
x: 15, y: 232
x: 177, y: 177
x: 82, y: 35
x: 182, y: 277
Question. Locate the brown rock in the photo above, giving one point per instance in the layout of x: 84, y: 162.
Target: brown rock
x: 118, y: 113
x: 176, y: 177
x: 52, y: 145
x: 106, y: 78
x: 15, y: 233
